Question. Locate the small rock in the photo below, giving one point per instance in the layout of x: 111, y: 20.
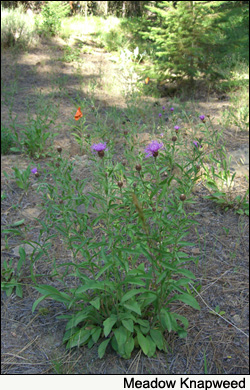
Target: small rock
x: 196, y: 251
x: 28, y: 249
x: 31, y: 212
x: 237, y: 319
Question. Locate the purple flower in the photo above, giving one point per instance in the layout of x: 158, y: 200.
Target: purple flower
x: 152, y: 149
x: 196, y: 144
x: 172, y: 109
x: 99, y: 148
x: 34, y: 170
x: 202, y: 117
x: 162, y: 135
x: 177, y: 127
x: 160, y: 115
x: 163, y: 107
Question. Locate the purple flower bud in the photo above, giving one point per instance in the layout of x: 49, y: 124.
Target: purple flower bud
x: 34, y: 170
x: 202, y: 117
x: 172, y: 109
x: 160, y: 115
x: 163, y: 107
x: 177, y: 127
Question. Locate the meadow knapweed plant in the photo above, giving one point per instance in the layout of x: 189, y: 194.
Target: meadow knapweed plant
x: 127, y: 271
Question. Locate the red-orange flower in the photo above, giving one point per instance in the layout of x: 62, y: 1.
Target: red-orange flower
x: 147, y: 80
x: 78, y: 114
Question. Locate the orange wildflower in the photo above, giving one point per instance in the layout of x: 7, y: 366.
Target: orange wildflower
x: 78, y: 114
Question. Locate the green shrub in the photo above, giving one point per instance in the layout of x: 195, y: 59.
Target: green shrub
x: 52, y: 14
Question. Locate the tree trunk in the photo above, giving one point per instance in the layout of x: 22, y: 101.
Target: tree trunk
x: 123, y: 9
x: 106, y: 8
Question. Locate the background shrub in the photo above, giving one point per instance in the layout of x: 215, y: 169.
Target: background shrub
x: 52, y: 14
x: 17, y: 27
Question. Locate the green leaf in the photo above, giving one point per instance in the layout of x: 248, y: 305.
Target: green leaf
x: 17, y: 223
x: 52, y: 292
x: 143, y: 342
x: 128, y: 347
x: 144, y: 325
x: 128, y: 324
x: 91, y: 343
x: 121, y: 336
x: 134, y: 280
x: 94, y: 285
x: 102, y: 348
x: 182, y: 319
x: 166, y: 320
x: 22, y: 258
x: 14, y: 231
x: 76, y: 319
x: 152, y: 346
x: 96, y: 334
x: 182, y: 333
x: 96, y: 303
x: 131, y: 293
x: 105, y: 268
x: 79, y: 338
x: 157, y: 338
x: 108, y: 325
x: 188, y: 299
x: 133, y: 306
x: 69, y: 333
x: 185, y: 243
x: 19, y: 290
x: 37, y: 302
x: 186, y: 272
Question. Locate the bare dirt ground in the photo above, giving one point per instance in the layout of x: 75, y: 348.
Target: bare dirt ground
x: 32, y: 343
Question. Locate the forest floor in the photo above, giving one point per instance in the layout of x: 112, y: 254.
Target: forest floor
x: 32, y: 343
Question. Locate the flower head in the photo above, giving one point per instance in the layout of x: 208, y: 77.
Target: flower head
x: 160, y: 115
x: 163, y: 107
x: 78, y: 114
x: 99, y: 148
x: 196, y: 144
x: 177, y: 127
x: 172, y: 109
x: 202, y: 117
x: 34, y: 170
x: 152, y: 149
